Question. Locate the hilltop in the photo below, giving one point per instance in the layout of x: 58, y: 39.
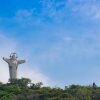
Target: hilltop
x: 24, y: 89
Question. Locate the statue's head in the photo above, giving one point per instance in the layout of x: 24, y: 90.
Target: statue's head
x: 13, y: 56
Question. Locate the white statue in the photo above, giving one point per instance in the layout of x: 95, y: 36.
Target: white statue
x: 13, y: 65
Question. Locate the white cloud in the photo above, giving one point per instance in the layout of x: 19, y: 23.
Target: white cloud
x: 6, y: 45
x: 26, y: 17
x: 86, y: 8
x: 59, y: 10
x: 34, y: 74
x: 68, y: 39
x: 85, y: 45
x: 23, y: 17
x: 55, y: 10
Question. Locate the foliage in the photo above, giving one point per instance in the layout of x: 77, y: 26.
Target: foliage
x: 24, y: 89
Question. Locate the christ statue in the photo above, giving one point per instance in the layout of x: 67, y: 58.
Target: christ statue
x: 13, y: 65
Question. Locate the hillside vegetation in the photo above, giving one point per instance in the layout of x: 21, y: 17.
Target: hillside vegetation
x: 24, y: 89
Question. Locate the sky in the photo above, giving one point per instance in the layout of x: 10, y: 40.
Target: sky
x: 59, y: 39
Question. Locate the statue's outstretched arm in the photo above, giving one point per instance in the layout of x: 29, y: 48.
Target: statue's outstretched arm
x: 21, y: 61
x: 5, y: 59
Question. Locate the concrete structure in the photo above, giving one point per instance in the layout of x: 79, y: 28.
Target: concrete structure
x: 13, y: 65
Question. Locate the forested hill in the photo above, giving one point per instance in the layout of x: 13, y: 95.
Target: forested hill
x: 24, y: 89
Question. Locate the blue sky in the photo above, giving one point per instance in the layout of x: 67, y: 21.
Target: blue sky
x: 60, y: 39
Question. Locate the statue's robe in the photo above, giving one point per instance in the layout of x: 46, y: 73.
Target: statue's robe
x: 13, y: 65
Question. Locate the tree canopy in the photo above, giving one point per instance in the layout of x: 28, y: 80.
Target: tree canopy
x: 24, y: 89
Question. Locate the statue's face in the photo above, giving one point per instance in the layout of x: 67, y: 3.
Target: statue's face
x: 13, y: 57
